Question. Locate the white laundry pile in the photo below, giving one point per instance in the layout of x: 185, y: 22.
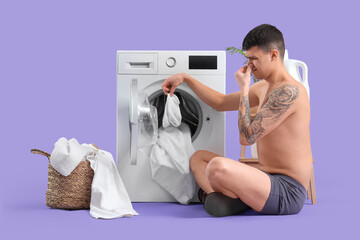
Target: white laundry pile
x: 170, y: 156
x: 109, y: 198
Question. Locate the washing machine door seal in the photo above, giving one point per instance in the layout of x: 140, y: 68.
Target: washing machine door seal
x: 143, y: 121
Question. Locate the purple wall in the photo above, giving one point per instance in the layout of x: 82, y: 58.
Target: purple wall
x: 58, y: 79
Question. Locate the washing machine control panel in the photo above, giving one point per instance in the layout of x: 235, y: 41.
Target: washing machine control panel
x: 171, y: 62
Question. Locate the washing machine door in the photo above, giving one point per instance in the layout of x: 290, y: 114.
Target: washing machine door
x: 143, y: 121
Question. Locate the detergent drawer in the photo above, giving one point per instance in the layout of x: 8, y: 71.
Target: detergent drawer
x: 137, y: 63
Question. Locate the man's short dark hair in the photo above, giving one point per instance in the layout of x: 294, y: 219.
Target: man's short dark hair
x: 266, y: 37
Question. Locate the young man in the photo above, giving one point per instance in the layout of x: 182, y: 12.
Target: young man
x: 280, y: 129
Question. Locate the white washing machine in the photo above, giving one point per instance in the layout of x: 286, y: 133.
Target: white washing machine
x: 140, y: 106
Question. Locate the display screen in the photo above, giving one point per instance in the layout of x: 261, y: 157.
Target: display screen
x: 202, y: 62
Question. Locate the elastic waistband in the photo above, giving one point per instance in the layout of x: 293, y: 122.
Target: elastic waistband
x: 294, y: 181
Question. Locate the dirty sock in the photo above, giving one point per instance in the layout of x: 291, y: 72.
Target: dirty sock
x: 220, y: 205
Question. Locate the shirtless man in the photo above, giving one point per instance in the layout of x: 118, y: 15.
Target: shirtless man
x: 280, y: 129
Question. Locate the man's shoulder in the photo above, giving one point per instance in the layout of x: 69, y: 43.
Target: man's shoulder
x: 292, y: 94
x: 297, y: 88
x: 258, y: 86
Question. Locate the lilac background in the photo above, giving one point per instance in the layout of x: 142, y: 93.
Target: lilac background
x: 58, y: 78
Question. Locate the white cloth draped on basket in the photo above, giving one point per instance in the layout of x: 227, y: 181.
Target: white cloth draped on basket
x: 109, y: 198
x: 170, y: 155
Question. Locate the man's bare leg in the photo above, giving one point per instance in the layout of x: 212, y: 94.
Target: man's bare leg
x: 218, y: 203
x: 198, y: 163
x: 215, y: 173
x: 248, y: 183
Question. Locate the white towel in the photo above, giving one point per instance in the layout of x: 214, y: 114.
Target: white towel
x: 169, y: 161
x: 172, y: 115
x: 109, y: 198
x: 67, y: 155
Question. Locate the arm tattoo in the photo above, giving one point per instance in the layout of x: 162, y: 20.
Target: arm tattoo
x: 251, y: 130
x: 280, y: 100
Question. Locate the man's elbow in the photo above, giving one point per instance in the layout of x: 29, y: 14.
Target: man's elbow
x: 219, y: 108
x: 220, y: 104
x: 244, y: 142
x: 247, y: 141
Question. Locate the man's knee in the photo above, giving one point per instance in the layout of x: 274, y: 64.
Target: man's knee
x: 216, y: 168
x: 194, y: 160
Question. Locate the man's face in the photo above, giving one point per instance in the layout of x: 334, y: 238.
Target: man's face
x: 260, y: 62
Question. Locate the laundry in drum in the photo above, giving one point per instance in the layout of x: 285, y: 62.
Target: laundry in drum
x: 170, y: 155
x: 188, y: 110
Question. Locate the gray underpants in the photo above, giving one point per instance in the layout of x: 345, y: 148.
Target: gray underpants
x: 287, y: 196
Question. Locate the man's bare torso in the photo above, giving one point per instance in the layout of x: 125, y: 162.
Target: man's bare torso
x: 286, y: 150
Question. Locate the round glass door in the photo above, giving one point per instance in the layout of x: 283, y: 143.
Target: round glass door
x: 143, y: 121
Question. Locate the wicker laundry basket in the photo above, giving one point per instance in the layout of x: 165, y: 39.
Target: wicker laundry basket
x: 69, y: 192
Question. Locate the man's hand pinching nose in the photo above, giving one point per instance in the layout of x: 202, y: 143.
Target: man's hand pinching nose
x: 243, y: 77
x: 249, y: 68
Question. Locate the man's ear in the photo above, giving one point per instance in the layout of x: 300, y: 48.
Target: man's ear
x: 274, y: 54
